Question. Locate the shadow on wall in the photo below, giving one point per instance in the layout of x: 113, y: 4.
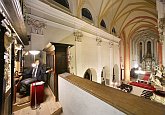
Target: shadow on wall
x: 91, y: 74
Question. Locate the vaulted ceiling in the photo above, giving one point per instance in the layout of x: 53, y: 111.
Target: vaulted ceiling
x: 128, y: 17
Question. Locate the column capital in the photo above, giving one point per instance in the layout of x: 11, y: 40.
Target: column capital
x: 99, y: 41
x: 78, y: 36
x: 111, y: 44
x: 161, y: 24
x: 161, y: 38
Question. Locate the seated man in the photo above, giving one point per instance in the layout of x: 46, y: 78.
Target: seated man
x: 35, y: 74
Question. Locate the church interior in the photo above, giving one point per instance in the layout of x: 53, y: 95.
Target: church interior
x: 95, y: 57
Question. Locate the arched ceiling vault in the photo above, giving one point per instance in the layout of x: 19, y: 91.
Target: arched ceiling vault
x: 126, y: 16
x: 142, y: 27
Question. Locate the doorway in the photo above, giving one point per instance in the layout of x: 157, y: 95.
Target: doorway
x: 90, y: 74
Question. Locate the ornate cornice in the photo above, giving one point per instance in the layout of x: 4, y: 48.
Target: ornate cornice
x: 69, y: 20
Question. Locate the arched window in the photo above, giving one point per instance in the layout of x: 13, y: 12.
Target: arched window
x: 113, y: 30
x: 148, y: 47
x: 63, y: 3
x: 102, y: 23
x: 141, y: 56
x: 86, y: 13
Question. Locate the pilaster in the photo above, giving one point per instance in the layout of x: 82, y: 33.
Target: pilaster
x: 99, y: 66
x: 127, y: 61
x: 111, y: 48
x: 78, y: 52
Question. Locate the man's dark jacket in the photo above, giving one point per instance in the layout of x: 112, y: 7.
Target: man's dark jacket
x: 39, y: 75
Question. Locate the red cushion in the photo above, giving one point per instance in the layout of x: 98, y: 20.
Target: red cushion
x: 145, y: 86
x: 146, y: 76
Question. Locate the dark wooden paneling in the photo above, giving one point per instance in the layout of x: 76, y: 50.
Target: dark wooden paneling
x: 2, y: 62
x: 58, y: 59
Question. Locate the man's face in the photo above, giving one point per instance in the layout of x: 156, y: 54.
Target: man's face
x: 37, y: 62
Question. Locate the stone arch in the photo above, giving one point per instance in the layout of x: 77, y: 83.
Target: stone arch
x: 90, y: 74
x: 116, y: 76
x: 105, y: 75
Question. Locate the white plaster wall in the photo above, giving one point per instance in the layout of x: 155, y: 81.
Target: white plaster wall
x: 39, y: 39
x: 116, y: 60
x: 105, y: 58
x: 85, y: 54
x: 55, y: 34
x: 89, y: 54
x: 76, y: 101
x: 105, y: 54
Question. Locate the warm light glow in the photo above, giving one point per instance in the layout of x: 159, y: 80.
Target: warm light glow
x: 27, y: 53
x: 18, y: 47
x: 34, y: 52
x: 5, y: 57
x: 140, y: 68
x: 33, y: 64
x: 136, y: 65
x: 139, y: 72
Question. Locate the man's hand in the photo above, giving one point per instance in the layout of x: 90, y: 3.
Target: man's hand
x: 50, y: 70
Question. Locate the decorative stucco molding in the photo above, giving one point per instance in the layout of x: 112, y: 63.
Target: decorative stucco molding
x: 78, y: 36
x: 69, y: 20
x: 162, y: 24
x: 111, y: 44
x: 161, y: 29
x: 36, y: 26
x: 99, y: 41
